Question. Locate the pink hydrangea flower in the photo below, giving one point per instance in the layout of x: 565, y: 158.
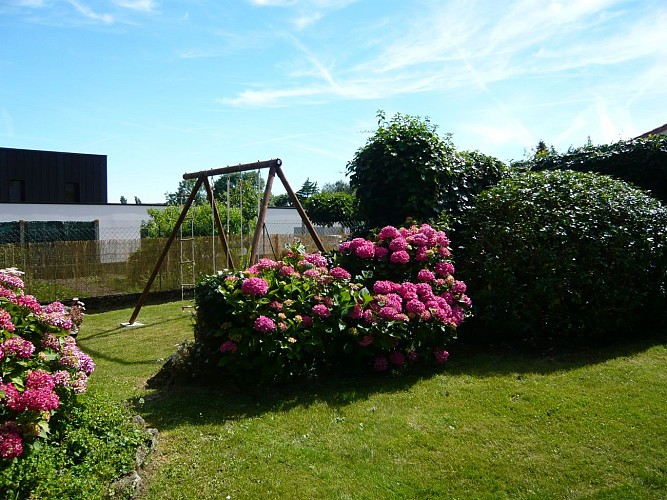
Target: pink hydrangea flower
x: 252, y: 270
x: 286, y: 271
x: 276, y: 306
x: 255, y: 287
x: 307, y: 321
x: 457, y: 315
x: 62, y: 378
x: 444, y: 268
x: 7, y: 294
x: 11, y: 281
x: 340, y: 274
x: 12, y: 397
x: 424, y: 290
x: 396, y: 358
x: 366, y: 341
x: 6, y: 321
x: 11, y: 445
x: 54, y: 307
x: 441, y: 356
x: 381, y: 364
x: 29, y: 302
x: 397, y: 244
x: 400, y: 257
x: 369, y: 316
x: 18, y: 347
x: 316, y: 259
x: 394, y: 300
x: 228, y: 346
x: 365, y: 251
x: 422, y: 254
x: 264, y: 324
x: 415, y: 307
x: 266, y: 264
x: 311, y: 273
x: 356, y: 312
x: 425, y: 275
x: 458, y: 287
x: 388, y: 313
x: 79, y: 383
x: 381, y: 252
x: 388, y: 232
x: 321, y: 310
x: 40, y: 379
x: 40, y: 400
x: 383, y: 287
x: 419, y: 240
x: 55, y: 319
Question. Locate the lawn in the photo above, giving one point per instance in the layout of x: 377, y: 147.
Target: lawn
x: 491, y: 424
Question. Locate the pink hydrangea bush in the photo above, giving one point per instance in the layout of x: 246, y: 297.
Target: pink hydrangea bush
x: 383, y: 303
x: 41, y: 367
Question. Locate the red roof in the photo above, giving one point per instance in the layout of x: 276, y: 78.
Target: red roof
x: 660, y: 130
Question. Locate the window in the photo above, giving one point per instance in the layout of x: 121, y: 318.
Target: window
x: 72, y: 192
x: 16, y: 191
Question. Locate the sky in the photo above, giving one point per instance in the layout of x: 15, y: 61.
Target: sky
x: 168, y: 87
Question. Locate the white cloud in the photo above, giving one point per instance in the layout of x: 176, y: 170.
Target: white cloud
x: 141, y: 5
x: 461, y: 44
x: 90, y: 14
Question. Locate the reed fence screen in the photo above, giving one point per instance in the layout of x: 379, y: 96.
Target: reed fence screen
x: 122, y: 264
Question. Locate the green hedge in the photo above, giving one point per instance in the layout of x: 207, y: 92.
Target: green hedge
x: 562, y: 255
x: 641, y: 162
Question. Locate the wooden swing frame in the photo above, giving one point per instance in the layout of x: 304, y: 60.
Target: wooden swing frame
x: 202, y: 177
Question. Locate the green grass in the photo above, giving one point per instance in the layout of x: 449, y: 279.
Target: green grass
x: 492, y: 424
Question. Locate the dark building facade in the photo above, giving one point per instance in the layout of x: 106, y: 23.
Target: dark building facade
x: 30, y: 176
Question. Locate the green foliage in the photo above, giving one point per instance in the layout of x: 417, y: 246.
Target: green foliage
x: 185, y: 187
x: 400, y: 167
x: 245, y: 192
x: 337, y: 187
x: 328, y: 208
x: 560, y: 256
x: 405, y: 165
x: 280, y: 200
x: 307, y: 190
x: 162, y: 221
x: 641, y: 162
x: 91, y: 444
x: 301, y: 316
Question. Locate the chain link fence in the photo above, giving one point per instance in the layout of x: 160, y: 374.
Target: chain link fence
x: 66, y: 260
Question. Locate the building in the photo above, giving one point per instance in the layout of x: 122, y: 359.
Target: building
x: 662, y: 130
x: 31, y: 176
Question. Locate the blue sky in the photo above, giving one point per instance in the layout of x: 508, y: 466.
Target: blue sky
x: 167, y: 87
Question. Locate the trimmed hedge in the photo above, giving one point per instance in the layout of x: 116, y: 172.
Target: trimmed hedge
x: 642, y: 162
x: 562, y: 255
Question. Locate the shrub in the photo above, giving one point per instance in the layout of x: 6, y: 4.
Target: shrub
x: 326, y: 209
x: 408, y: 167
x: 52, y: 445
x: 557, y: 256
x: 42, y: 368
x: 642, y: 162
x: 90, y: 444
x: 303, y: 315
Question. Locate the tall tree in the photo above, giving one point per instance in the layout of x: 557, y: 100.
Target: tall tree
x: 183, y: 192
x: 307, y: 190
x: 337, y: 187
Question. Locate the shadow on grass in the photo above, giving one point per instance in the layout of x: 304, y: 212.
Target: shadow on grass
x: 191, y: 404
x: 120, y: 332
x: 195, y: 404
